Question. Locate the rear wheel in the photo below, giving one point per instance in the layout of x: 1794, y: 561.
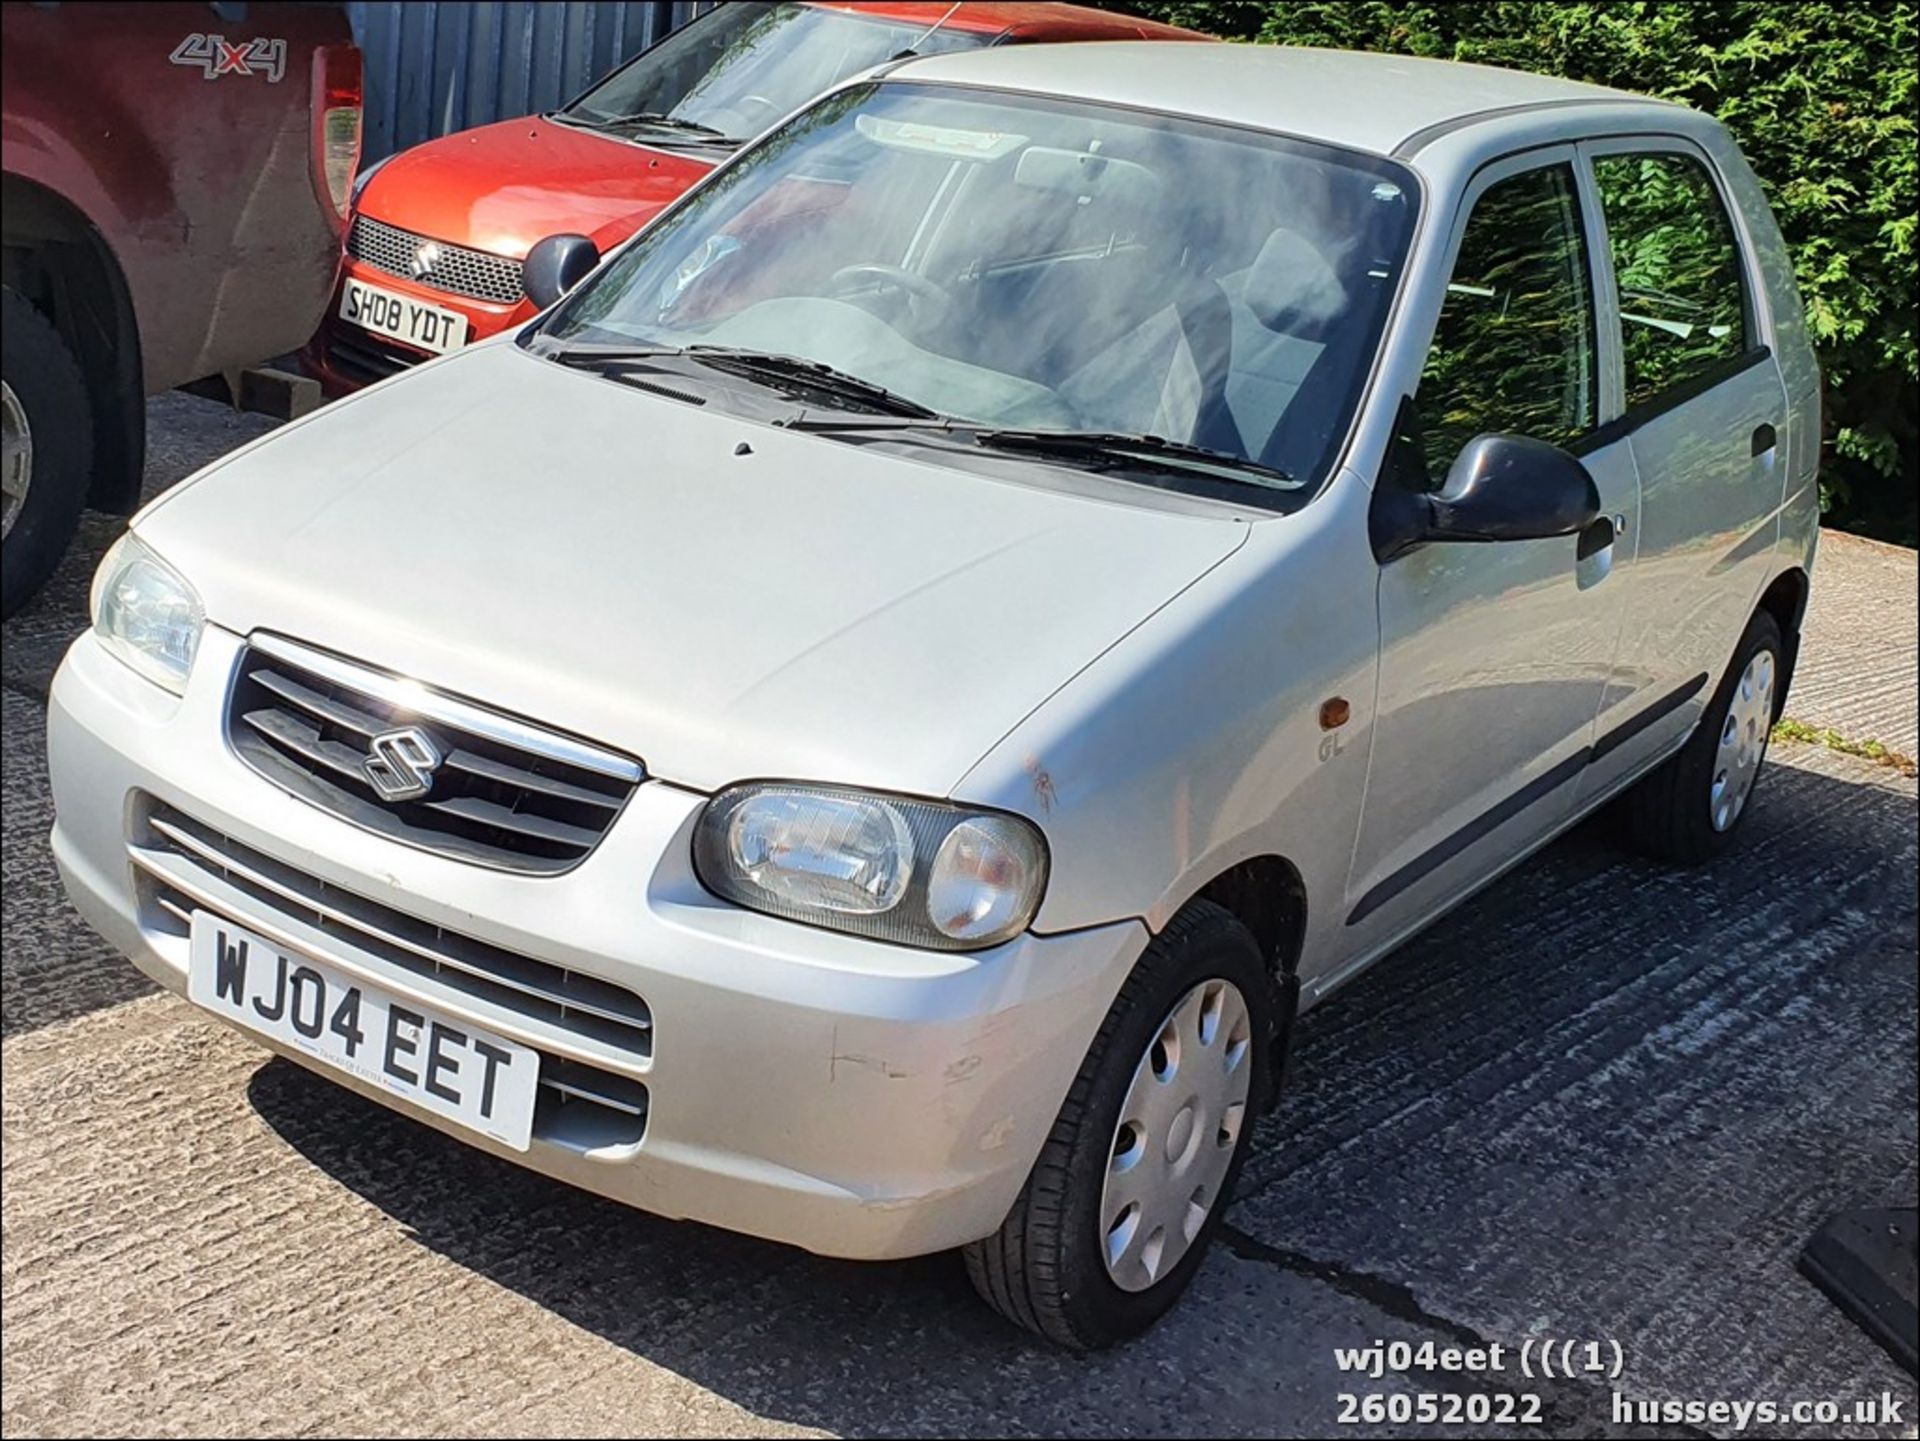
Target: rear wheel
x: 46, y: 446
x: 1141, y: 1162
x: 1686, y: 812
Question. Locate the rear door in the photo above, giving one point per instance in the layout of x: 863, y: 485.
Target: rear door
x: 1705, y: 415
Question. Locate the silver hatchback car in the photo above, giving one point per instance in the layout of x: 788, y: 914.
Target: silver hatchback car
x: 866, y: 722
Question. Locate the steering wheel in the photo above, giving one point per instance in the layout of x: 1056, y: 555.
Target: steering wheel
x: 893, y: 277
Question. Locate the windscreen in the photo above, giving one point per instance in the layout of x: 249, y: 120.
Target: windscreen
x: 1020, y: 262
x: 741, y: 67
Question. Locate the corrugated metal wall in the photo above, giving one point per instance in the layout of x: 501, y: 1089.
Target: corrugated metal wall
x: 433, y: 68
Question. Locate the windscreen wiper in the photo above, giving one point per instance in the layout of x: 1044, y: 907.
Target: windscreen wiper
x: 635, y: 365
x: 587, y: 355
x: 835, y: 422
x: 1115, y: 449
x: 791, y: 375
x: 664, y: 121
x: 648, y: 120
x: 1106, y: 450
x: 797, y: 376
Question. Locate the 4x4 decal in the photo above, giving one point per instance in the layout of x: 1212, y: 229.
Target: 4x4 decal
x: 214, y: 57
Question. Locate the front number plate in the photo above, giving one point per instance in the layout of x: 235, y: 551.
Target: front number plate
x: 471, y: 1077
x: 410, y: 321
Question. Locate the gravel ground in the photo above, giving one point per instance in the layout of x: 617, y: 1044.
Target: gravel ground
x: 1603, y: 1101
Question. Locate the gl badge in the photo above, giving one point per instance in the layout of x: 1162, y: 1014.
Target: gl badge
x: 400, y: 763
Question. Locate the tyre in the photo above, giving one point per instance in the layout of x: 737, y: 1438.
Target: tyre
x: 1686, y: 812
x: 1140, y: 1165
x: 48, y: 444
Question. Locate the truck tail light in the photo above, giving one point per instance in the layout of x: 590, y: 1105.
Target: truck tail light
x: 336, y: 122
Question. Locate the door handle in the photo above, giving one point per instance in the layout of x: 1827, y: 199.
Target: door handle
x: 1764, y: 439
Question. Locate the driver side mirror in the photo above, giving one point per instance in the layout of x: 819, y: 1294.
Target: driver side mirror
x: 1500, y: 487
x: 556, y: 265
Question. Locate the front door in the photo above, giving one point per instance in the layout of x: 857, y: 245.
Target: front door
x: 1494, y: 657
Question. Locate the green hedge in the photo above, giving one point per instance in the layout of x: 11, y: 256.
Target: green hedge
x: 1820, y: 97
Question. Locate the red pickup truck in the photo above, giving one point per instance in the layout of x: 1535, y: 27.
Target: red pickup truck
x: 176, y: 180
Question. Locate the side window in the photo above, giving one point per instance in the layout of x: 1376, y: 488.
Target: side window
x: 1514, y: 350
x: 1683, y: 302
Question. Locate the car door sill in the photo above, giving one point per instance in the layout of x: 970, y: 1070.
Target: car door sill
x: 1314, y: 992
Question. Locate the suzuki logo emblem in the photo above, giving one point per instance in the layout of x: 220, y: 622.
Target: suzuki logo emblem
x: 400, y: 763
x: 424, y: 259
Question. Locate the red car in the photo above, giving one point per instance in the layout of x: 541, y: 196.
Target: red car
x: 438, y: 232
x: 176, y: 184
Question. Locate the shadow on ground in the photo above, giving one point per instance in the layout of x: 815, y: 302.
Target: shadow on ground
x: 1603, y: 1100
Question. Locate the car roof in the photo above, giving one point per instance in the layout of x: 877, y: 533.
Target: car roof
x: 1028, y: 20
x: 1386, y: 104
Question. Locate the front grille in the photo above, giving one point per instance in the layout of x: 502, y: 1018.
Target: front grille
x: 504, y: 793
x: 187, y: 866
x: 454, y: 268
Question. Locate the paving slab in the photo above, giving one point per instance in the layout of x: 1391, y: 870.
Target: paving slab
x: 1860, y: 648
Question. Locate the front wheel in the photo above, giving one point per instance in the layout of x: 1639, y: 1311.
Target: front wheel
x: 1140, y: 1165
x: 1686, y: 811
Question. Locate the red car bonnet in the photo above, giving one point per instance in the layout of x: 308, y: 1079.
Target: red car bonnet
x: 505, y: 186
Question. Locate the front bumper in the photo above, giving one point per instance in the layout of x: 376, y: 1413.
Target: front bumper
x: 344, y: 357
x: 855, y: 1099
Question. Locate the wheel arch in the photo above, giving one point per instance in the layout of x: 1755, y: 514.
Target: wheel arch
x: 1268, y: 896
x: 57, y: 259
x: 1785, y: 599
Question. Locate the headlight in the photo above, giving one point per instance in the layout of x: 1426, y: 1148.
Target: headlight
x: 146, y: 614
x: 919, y: 873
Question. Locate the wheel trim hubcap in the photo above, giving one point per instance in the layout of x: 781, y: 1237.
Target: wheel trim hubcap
x: 16, y: 458
x: 1178, y: 1130
x: 1743, y: 741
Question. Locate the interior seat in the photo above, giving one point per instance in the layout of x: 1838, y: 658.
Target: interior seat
x: 1259, y: 355
x: 1284, y: 305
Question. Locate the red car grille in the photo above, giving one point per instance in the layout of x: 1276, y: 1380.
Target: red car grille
x: 435, y: 263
